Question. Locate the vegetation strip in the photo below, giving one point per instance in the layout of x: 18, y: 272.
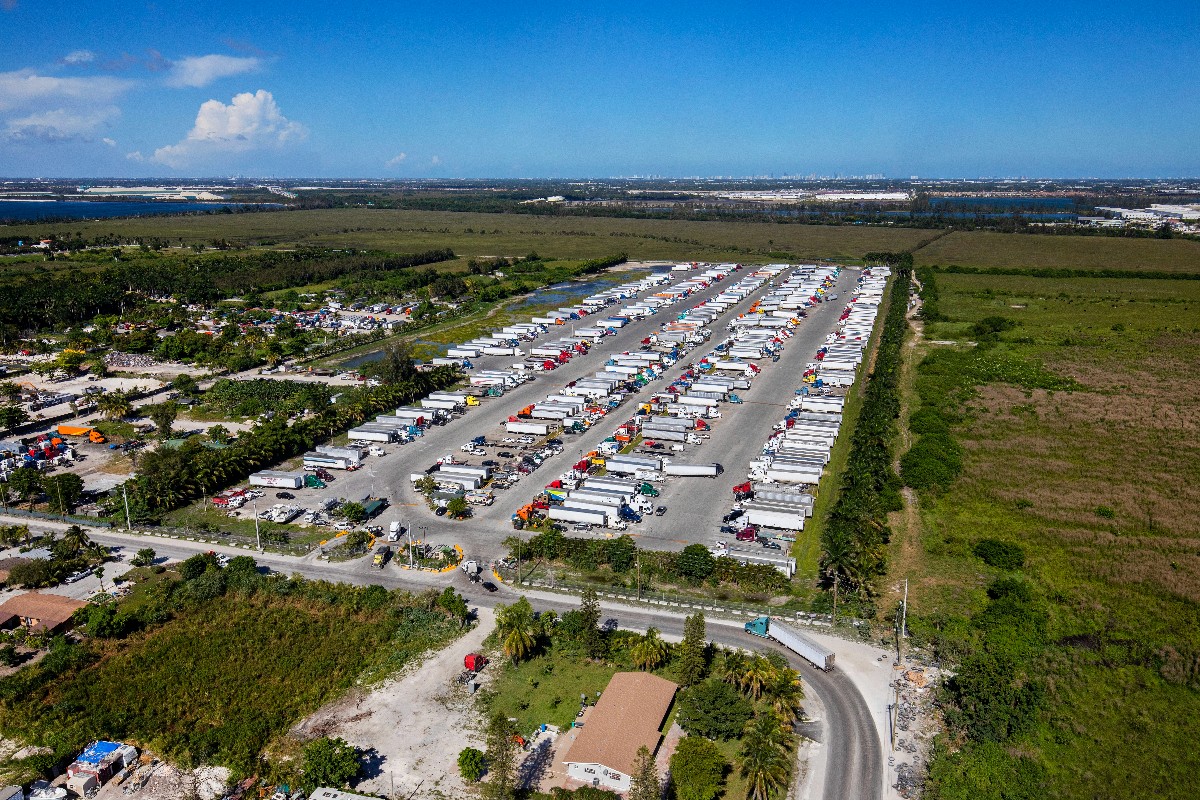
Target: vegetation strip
x: 854, y: 535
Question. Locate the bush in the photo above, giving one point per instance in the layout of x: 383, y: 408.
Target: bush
x: 934, y: 462
x: 697, y: 769
x: 329, y: 762
x: 1002, y: 555
x: 33, y: 574
x: 715, y: 710
x: 695, y: 562
x: 471, y: 764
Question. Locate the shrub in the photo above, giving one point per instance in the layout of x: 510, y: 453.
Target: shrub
x: 697, y: 769
x: 1105, y: 512
x: 933, y: 463
x: 1002, y: 555
x: 471, y: 764
x: 715, y: 710
x: 695, y: 562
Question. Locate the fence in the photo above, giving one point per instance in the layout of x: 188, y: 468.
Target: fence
x: 847, y: 627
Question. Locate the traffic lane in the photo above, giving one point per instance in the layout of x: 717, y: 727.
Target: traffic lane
x: 695, y: 505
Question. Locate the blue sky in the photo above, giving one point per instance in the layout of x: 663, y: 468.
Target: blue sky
x: 560, y: 89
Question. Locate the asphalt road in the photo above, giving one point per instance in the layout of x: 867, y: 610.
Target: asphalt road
x: 854, y: 750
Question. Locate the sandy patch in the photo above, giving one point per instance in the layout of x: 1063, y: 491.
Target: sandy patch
x: 416, y: 723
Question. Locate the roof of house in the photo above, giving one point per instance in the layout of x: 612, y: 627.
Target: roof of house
x: 50, y: 610
x: 626, y: 718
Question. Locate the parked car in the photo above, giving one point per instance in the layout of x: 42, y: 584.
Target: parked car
x: 490, y: 462
x: 770, y: 544
x: 658, y: 512
x: 505, y: 454
x: 440, y: 511
x: 285, y: 495
x: 489, y: 586
x: 732, y: 515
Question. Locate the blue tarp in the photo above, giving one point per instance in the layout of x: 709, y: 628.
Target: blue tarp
x: 97, y: 752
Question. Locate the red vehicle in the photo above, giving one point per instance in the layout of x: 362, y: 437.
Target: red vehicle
x: 475, y: 662
x: 743, y: 491
x: 747, y: 534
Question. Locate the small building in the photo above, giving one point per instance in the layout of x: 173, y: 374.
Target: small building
x: 325, y: 793
x: 39, y: 612
x: 627, y: 717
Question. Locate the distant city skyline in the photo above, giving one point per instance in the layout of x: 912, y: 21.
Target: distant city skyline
x: 540, y: 90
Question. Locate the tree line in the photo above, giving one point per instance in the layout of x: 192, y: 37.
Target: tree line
x: 84, y: 290
x: 170, y: 478
x: 855, y: 532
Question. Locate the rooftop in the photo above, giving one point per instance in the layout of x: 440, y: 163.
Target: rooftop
x: 626, y: 718
x: 50, y: 610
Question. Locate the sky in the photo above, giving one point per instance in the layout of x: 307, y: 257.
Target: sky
x: 562, y: 89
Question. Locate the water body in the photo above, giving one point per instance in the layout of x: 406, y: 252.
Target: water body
x: 32, y: 210
x: 1004, y: 202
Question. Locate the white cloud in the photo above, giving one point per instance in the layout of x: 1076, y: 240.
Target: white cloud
x: 109, y: 142
x: 197, y: 71
x: 60, y: 124
x: 396, y: 160
x: 136, y: 155
x: 79, y: 57
x: 25, y: 88
x: 435, y: 160
x: 250, y: 122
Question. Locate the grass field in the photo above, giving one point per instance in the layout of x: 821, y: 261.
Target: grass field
x: 1099, y: 486
x: 1006, y: 250
x: 471, y: 234
x: 216, y: 682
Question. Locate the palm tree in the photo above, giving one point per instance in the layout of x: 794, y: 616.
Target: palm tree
x: 115, y: 404
x: 75, y: 540
x: 518, y: 644
x: 758, y: 674
x: 785, y: 694
x: 515, y: 625
x: 733, y: 667
x: 651, y: 652
x: 765, y: 754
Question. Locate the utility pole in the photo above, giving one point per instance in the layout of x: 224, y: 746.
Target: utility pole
x: 257, y: 532
x: 125, y: 494
x: 904, y: 615
x: 639, y: 575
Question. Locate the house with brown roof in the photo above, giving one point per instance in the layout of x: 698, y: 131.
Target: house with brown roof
x: 627, y: 717
x: 38, y: 611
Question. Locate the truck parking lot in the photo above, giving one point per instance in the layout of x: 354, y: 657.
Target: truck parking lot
x: 687, y: 510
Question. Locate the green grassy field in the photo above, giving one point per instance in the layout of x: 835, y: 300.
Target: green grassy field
x: 1099, y: 486
x: 472, y: 234
x: 223, y: 676
x: 1007, y: 250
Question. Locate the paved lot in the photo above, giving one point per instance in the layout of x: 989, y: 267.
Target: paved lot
x: 483, y: 534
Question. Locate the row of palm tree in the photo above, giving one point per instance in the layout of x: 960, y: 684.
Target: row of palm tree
x: 763, y: 679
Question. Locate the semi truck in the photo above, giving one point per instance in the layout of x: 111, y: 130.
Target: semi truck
x: 275, y: 479
x: 778, y: 518
x: 818, y: 655
x: 694, y: 470
x: 578, y: 515
x: 532, y: 428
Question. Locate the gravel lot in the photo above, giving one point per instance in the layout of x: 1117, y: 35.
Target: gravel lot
x: 417, y: 723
